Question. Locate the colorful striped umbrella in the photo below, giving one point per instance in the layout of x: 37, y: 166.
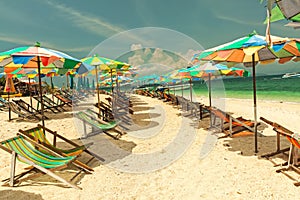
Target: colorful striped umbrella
x: 251, y: 50
x: 207, y: 71
x: 285, y: 9
x: 105, y: 65
x: 37, y: 57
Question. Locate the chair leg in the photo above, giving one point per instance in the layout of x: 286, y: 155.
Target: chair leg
x: 50, y: 173
x: 13, y: 168
x: 81, y: 169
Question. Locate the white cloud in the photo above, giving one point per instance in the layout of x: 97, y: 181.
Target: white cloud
x: 135, y: 47
x: 237, y: 21
x: 84, y: 21
x: 16, y: 40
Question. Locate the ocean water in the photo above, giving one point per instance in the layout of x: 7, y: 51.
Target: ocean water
x: 267, y: 88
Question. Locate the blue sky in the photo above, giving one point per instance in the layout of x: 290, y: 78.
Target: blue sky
x: 76, y: 26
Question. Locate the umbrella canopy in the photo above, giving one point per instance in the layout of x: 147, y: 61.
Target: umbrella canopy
x: 251, y: 50
x: 37, y: 57
x: 243, y: 49
x: 285, y: 9
x: 104, y: 65
x: 207, y: 71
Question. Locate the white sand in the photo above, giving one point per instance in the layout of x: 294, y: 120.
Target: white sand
x: 230, y: 171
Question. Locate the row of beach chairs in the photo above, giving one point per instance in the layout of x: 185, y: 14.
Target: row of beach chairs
x: 34, y: 147
x: 59, y: 102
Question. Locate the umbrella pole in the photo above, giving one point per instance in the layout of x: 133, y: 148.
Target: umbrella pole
x: 68, y: 85
x: 30, y: 95
x: 209, y: 96
x: 254, y: 102
x: 98, y: 92
x: 209, y: 89
x: 174, y: 89
x: 117, y: 82
x: 52, y: 87
x: 9, y: 109
x: 191, y: 90
x: 41, y: 91
x: 112, y: 84
x: 181, y: 87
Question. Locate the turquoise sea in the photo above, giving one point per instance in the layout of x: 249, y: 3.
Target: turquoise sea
x: 272, y: 87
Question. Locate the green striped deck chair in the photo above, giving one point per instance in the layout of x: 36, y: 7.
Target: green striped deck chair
x: 38, y: 134
x: 95, y: 115
x: 26, y: 152
x: 99, y: 125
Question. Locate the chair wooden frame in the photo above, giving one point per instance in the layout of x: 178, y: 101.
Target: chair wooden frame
x: 235, y: 124
x: 25, y: 150
x: 39, y: 133
x: 294, y: 139
x: 98, y: 125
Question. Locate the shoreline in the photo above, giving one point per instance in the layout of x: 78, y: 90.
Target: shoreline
x: 249, y: 99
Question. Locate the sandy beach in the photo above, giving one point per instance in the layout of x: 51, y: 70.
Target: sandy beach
x: 230, y: 170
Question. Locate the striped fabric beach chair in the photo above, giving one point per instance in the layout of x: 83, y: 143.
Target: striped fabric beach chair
x: 26, y: 151
x: 38, y: 134
x: 98, y: 125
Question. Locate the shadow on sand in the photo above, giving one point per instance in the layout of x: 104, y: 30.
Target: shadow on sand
x: 266, y: 144
x: 108, y: 148
x: 18, y: 194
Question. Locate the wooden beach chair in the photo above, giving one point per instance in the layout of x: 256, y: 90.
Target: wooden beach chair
x: 47, y: 106
x: 21, y: 112
x: 39, y: 133
x: 197, y: 109
x: 294, y: 139
x: 229, y: 124
x: 26, y: 151
x: 63, y: 100
x: 98, y: 126
x: 2, y: 104
x: 105, y: 111
x: 277, y: 126
x: 51, y: 103
x: 28, y: 108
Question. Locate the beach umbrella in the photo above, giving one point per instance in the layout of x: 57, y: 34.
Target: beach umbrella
x: 184, y: 73
x: 37, y: 57
x: 104, y: 65
x: 208, y: 71
x: 285, y: 9
x: 251, y: 50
